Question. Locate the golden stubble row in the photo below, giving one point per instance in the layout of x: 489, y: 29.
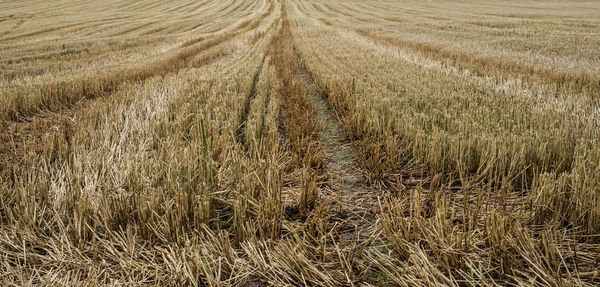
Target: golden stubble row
x: 30, y: 82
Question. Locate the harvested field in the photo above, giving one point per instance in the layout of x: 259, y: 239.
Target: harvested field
x: 300, y: 143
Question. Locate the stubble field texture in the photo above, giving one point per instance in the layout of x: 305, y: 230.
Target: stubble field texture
x: 299, y: 143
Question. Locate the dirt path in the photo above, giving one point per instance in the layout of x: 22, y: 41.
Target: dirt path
x: 354, y: 198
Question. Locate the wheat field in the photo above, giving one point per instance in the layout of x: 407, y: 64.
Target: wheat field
x: 299, y: 143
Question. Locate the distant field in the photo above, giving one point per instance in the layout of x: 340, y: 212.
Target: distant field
x: 300, y: 143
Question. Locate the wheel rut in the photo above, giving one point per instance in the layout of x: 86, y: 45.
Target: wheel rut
x: 355, y: 200
x: 239, y: 133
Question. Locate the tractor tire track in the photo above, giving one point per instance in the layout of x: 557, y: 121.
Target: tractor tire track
x: 355, y: 200
x: 352, y: 192
x: 240, y: 131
